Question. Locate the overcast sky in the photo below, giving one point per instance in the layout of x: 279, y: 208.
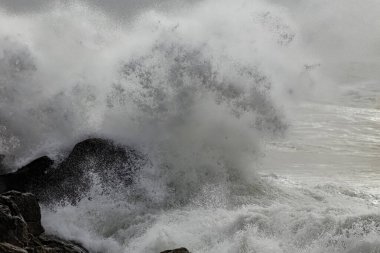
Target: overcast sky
x: 114, y: 8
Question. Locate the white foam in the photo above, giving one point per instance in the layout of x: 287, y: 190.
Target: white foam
x: 198, y: 89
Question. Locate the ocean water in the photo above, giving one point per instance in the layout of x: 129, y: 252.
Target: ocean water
x: 333, y: 141
x: 260, y: 119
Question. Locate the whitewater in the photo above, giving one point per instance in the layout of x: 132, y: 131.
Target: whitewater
x: 260, y: 119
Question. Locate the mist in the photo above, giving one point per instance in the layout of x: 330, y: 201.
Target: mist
x: 258, y: 119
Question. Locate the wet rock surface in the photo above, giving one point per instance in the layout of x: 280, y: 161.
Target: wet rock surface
x: 71, y: 179
x: 44, y: 180
x: 21, y: 230
x: 28, y: 177
x: 179, y: 250
x: 28, y: 208
x: 109, y: 163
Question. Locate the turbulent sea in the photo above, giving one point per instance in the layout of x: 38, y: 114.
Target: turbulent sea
x: 260, y: 119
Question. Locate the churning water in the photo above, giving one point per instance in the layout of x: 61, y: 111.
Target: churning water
x: 260, y: 119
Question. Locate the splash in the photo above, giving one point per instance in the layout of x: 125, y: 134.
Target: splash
x: 71, y: 72
x: 198, y: 88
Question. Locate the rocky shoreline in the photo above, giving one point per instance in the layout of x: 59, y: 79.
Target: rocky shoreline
x: 21, y: 230
x: 70, y: 179
x: 42, y: 180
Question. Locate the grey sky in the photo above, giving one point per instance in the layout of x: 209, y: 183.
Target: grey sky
x: 114, y: 8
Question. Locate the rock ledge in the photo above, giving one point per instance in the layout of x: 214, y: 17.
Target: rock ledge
x: 179, y: 250
x: 21, y: 230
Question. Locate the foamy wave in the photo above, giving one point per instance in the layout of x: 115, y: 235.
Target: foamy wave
x: 197, y: 89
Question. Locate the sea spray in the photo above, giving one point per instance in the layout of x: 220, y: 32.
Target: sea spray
x: 66, y: 69
x: 198, y: 89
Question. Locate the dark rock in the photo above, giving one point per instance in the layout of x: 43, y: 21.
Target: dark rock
x: 16, y: 235
x: 29, y: 210
x: 179, y: 250
x: 27, y: 177
x: 13, y: 228
x: 112, y: 164
x: 55, y: 244
x: 9, y: 248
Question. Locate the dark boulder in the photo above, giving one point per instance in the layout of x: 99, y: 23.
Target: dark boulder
x: 28, y: 177
x: 179, y: 250
x: 111, y: 164
x: 13, y: 228
x: 19, y: 214
x: 9, y: 248
x: 29, y: 209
